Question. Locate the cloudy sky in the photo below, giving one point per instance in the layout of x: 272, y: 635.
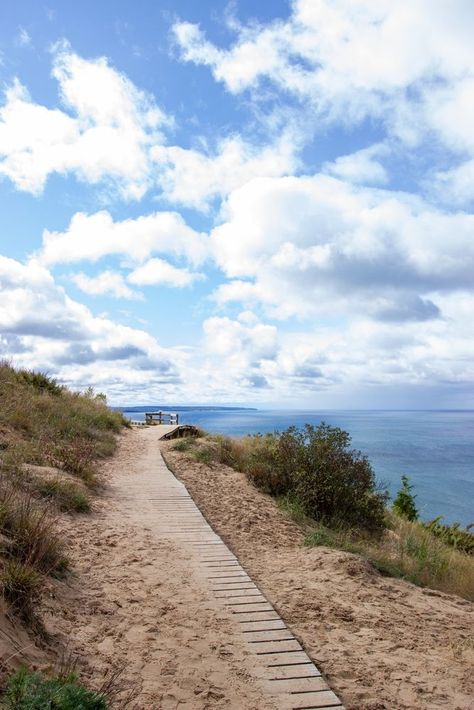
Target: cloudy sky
x: 235, y: 202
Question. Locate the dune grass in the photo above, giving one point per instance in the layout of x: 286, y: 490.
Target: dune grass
x: 43, y: 424
x: 312, y: 479
x: 28, y: 690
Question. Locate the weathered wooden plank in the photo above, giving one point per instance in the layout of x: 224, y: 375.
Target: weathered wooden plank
x: 243, y: 600
x: 270, y: 625
x: 282, y: 634
x: 237, y: 593
x: 246, y: 608
x: 285, y: 659
x: 322, y: 700
x: 301, y: 670
x: 263, y: 647
x: 297, y: 685
x: 257, y: 615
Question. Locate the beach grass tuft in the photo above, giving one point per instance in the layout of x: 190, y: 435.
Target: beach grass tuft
x: 51, y: 441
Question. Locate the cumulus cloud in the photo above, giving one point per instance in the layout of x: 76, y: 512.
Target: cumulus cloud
x: 91, y: 237
x: 157, y: 272
x: 43, y: 328
x: 108, y: 282
x: 193, y: 177
x: 104, y: 131
x: 362, y: 166
x: 326, y: 50
x: 409, y: 67
x: 23, y: 38
x: 318, y: 245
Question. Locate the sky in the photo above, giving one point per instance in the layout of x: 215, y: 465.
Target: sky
x: 266, y: 204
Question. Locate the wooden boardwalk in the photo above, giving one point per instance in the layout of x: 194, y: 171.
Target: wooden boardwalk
x: 289, y: 676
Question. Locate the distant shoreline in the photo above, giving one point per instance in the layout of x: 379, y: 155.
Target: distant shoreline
x: 180, y: 408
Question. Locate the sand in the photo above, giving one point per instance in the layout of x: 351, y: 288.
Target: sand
x: 382, y: 643
x: 135, y: 605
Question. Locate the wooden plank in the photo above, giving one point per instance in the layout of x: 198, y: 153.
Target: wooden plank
x: 301, y: 670
x: 322, y: 700
x: 269, y: 635
x: 257, y: 615
x: 246, y: 608
x: 234, y: 587
x: 285, y: 659
x: 252, y: 626
x: 297, y: 685
x: 263, y: 647
x: 237, y: 593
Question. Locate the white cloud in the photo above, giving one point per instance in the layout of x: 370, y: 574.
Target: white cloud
x: 41, y: 327
x: 407, y: 66
x: 157, y: 272
x: 327, y: 49
x: 91, y: 237
x: 193, y: 177
x: 23, y: 38
x: 317, y: 245
x: 106, y: 283
x: 330, y: 360
x: 108, y: 131
x: 106, y: 135
x: 360, y: 167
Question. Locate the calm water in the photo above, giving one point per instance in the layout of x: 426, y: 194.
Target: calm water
x: 434, y: 448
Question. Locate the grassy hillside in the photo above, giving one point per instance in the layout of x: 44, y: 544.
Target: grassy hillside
x: 51, y: 441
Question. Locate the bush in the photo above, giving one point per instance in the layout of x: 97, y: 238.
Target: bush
x: 314, y: 467
x: 27, y: 690
x: 404, y: 503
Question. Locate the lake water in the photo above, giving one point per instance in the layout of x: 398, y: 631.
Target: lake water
x: 434, y: 448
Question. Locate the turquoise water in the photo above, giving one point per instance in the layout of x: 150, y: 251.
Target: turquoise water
x: 434, y: 448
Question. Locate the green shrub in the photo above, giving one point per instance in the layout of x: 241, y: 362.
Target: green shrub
x: 335, y: 484
x: 315, y: 466
x: 404, y: 503
x: 27, y: 690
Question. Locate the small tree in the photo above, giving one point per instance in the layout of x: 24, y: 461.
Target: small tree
x: 404, y: 503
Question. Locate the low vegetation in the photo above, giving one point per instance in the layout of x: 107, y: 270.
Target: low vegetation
x: 330, y: 489
x: 51, y: 440
x: 27, y: 690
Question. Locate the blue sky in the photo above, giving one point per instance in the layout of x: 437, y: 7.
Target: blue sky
x: 227, y: 203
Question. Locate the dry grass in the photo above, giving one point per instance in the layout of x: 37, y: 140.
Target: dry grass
x: 406, y: 550
x: 409, y: 550
x: 44, y: 424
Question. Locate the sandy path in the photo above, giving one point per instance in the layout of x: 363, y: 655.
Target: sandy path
x: 383, y: 643
x: 138, y: 602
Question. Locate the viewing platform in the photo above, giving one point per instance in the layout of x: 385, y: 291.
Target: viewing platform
x: 170, y: 418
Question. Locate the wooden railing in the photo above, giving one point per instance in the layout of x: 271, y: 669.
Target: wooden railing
x: 161, y: 418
